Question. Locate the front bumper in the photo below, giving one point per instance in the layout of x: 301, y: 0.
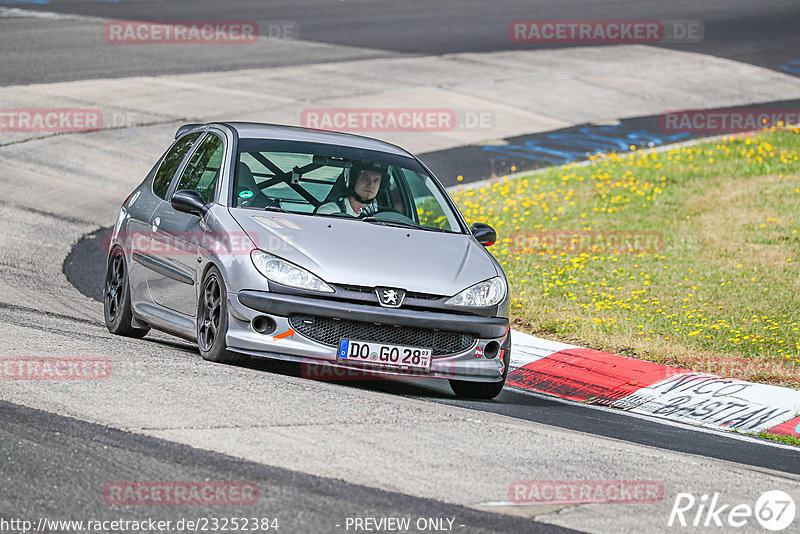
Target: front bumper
x: 286, y: 305
x: 465, y: 365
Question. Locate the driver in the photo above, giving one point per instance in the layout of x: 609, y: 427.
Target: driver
x: 363, y: 184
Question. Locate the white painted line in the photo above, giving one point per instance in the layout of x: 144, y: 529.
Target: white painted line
x: 526, y: 348
x: 715, y: 401
x: 685, y: 425
x: 19, y: 13
x: 509, y: 503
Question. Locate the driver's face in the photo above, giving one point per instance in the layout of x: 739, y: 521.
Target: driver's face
x: 367, y: 184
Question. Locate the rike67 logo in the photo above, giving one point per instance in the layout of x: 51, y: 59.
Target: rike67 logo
x: 774, y: 510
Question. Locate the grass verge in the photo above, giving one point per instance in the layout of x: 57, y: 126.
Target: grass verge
x: 689, y: 257
x: 789, y: 440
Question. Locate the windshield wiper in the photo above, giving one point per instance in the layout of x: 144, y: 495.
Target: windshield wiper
x: 275, y: 208
x: 400, y: 224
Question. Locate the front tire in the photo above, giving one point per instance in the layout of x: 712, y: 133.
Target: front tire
x: 212, y: 319
x: 482, y: 390
x: 117, y: 298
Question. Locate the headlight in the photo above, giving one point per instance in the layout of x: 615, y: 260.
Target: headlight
x: 487, y: 293
x: 285, y: 273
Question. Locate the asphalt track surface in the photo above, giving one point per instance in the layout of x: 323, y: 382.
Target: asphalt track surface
x: 41, y: 447
x: 760, y: 33
x: 74, y: 460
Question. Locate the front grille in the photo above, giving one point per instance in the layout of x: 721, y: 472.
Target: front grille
x: 371, y: 291
x: 357, y: 289
x: 422, y: 296
x: 329, y: 331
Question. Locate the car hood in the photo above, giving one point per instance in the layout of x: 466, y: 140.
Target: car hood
x: 354, y: 252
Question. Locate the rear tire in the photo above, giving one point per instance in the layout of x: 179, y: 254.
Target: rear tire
x: 482, y: 390
x: 117, y: 298
x: 212, y: 319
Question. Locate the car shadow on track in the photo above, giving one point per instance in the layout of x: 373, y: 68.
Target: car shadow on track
x: 175, y: 343
x: 423, y: 388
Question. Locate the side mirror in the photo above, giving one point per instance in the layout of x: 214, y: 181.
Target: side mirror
x: 189, y: 201
x: 484, y: 233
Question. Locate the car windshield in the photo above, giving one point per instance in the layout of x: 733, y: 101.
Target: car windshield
x: 328, y: 180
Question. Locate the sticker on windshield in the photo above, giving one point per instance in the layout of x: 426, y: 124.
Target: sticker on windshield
x: 246, y: 193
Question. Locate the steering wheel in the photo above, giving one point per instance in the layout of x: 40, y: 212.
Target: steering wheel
x: 391, y: 214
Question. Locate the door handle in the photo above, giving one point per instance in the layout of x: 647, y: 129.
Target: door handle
x: 156, y: 223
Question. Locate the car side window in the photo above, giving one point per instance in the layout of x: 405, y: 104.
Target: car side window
x: 203, y: 170
x: 171, y: 163
x: 429, y: 203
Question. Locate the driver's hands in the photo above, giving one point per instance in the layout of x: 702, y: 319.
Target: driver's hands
x: 368, y: 211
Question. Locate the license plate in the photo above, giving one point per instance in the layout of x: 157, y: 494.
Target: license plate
x: 384, y: 355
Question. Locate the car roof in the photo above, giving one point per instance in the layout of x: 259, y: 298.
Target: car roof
x: 257, y: 130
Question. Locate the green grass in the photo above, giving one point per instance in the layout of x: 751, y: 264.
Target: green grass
x: 789, y: 440
x: 704, y: 272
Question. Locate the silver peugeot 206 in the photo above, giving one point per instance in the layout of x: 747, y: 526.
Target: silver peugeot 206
x: 328, y: 249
